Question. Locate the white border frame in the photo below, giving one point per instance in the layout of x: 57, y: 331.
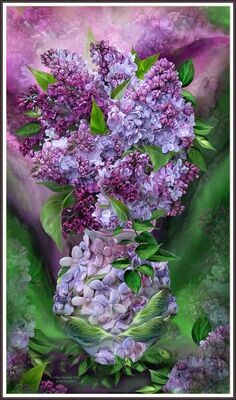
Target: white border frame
x: 118, y: 395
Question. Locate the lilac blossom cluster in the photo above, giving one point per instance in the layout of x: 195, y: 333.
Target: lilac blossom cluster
x: 65, y: 151
x: 205, y: 372
x: 49, y: 387
x: 93, y: 289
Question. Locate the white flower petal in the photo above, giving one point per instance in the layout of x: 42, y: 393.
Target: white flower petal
x: 119, y: 308
x: 76, y: 252
x: 66, y: 261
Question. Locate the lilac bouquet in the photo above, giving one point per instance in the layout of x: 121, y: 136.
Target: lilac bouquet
x: 118, y: 145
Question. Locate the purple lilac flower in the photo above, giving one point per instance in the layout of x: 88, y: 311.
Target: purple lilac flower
x: 202, y: 373
x: 50, y: 387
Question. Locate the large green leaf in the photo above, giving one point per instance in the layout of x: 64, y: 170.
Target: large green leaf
x: 98, y: 125
x: 146, y: 237
x: 84, y: 333
x: 147, y: 331
x: 29, y: 129
x: 157, y: 306
x: 146, y: 250
x: 196, y: 157
x: 144, y: 64
x: 201, y: 128
x: 140, y: 225
x: 146, y: 270
x: 203, y: 142
x: 51, y: 212
x: 42, y: 78
x: 32, y: 378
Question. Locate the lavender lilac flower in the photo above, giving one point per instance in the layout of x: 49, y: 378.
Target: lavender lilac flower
x: 151, y: 111
x: 92, y: 289
x: 206, y: 372
x: 49, y: 387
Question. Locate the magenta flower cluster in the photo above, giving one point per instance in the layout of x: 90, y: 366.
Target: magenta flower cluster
x: 150, y: 112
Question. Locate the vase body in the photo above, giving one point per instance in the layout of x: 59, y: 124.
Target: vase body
x: 101, y: 312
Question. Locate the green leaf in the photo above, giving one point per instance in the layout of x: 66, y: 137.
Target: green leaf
x: 156, y: 355
x: 145, y: 237
x: 51, y: 211
x: 42, y: 78
x: 55, y: 187
x: 121, y: 263
x: 149, y: 389
x: 61, y: 272
x: 146, y: 270
x: 84, y: 333
x: 140, y: 226
x: 93, y: 277
x: 146, y: 250
x: 32, y: 378
x: 201, y: 328
x: 144, y: 64
x: 201, y: 128
x: 32, y: 114
x: 157, y: 306
x: 119, y: 208
x: 189, y: 97
x: 132, y: 280
x: 196, y: 157
x: 83, y: 367
x: 98, y: 125
x: 107, y: 382
x: 156, y: 214
x: 117, y: 377
x: 117, y: 231
x: 157, y: 157
x: 125, y: 241
x: 186, y: 72
x: 163, y: 255
x: 160, y: 376
x: 204, y: 143
x: 127, y: 371
x: 118, y: 92
x: 28, y: 130
x: 139, y: 367
x: 150, y: 329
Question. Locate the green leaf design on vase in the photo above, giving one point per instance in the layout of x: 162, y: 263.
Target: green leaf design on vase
x: 157, y: 306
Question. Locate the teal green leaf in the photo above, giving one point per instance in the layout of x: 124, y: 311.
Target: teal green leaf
x: 146, y: 237
x: 118, y: 92
x: 119, y: 208
x: 140, y: 226
x: 149, y: 389
x: 147, y: 331
x: 28, y: 130
x: 146, y: 270
x: 121, y: 263
x: 196, y: 157
x: 156, y: 214
x: 157, y: 157
x: 132, y: 280
x: 51, y: 212
x: 32, y: 378
x: 98, y: 125
x: 203, y: 142
x: 84, y: 333
x: 186, y: 72
x: 201, y: 328
x: 42, y: 78
x: 55, y: 187
x: 163, y: 255
x: 201, y: 128
x: 189, y: 97
x: 157, y: 306
x: 146, y: 250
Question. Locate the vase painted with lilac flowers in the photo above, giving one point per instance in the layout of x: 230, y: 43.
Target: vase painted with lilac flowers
x: 101, y: 313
